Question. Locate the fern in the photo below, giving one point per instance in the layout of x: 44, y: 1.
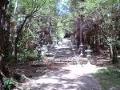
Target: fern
x: 8, y: 83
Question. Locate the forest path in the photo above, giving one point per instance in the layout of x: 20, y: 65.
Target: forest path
x: 67, y: 77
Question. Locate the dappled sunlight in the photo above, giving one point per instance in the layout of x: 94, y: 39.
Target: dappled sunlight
x: 70, y: 77
x: 75, y: 74
x: 78, y: 69
x: 59, y: 44
x: 65, y: 43
x: 46, y: 80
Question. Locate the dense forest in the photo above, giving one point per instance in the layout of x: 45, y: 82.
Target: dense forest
x: 30, y: 28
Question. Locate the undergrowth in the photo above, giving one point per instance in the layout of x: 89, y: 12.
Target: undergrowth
x: 109, y: 78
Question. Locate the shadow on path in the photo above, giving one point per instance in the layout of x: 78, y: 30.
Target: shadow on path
x: 71, y: 77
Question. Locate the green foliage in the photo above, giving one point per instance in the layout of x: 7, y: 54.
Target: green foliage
x: 8, y: 83
x: 109, y: 78
x: 46, y: 16
x: 26, y: 55
x: 26, y: 48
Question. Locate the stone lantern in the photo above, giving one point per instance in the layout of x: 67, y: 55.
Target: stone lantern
x: 89, y: 55
x: 81, y: 50
x: 44, y: 50
x: 38, y: 48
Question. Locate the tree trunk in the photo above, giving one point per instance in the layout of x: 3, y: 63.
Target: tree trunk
x: 113, y: 54
x: 19, y: 31
x: 4, y: 40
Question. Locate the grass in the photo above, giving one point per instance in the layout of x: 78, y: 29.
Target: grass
x: 109, y: 78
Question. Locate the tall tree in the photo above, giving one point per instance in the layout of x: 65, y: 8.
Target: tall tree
x: 4, y: 38
x: 26, y: 9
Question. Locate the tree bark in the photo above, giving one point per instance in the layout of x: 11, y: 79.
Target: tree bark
x: 113, y: 54
x: 4, y: 40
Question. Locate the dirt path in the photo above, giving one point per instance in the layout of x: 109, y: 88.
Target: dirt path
x: 70, y: 77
